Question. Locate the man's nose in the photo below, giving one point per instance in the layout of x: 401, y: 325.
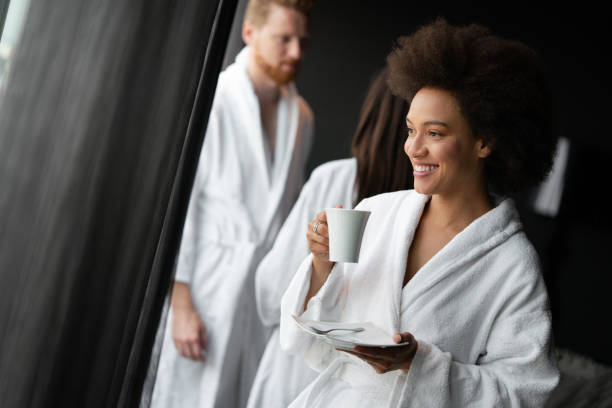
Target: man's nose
x: 295, y: 49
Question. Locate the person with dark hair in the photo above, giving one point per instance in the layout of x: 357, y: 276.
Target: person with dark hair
x: 251, y: 170
x: 445, y: 269
x: 377, y: 166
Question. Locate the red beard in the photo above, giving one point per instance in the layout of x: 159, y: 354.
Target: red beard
x: 275, y: 72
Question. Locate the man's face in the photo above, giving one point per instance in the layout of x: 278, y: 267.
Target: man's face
x: 280, y: 43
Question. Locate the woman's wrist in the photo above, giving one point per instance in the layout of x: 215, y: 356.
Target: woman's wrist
x: 321, y: 267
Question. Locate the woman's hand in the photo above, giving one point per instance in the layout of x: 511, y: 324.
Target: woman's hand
x: 188, y: 329
x: 318, y: 243
x: 388, y: 359
x: 318, y: 239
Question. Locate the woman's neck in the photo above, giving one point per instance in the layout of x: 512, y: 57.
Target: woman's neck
x: 459, y: 210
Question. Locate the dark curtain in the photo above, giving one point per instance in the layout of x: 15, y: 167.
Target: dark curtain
x: 234, y: 42
x: 100, y: 131
x: 3, y: 9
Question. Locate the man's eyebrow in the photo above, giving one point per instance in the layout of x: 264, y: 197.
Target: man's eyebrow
x: 431, y: 122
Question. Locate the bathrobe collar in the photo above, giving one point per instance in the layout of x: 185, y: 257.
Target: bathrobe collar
x: 272, y: 175
x: 480, y: 236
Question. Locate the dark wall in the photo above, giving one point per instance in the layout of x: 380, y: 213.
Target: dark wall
x: 349, y: 42
x: 350, y: 39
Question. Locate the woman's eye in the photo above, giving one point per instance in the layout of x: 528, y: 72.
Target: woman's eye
x: 434, y: 133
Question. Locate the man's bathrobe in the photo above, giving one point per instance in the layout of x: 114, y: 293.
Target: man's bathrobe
x: 478, y: 309
x: 240, y: 198
x: 281, y: 376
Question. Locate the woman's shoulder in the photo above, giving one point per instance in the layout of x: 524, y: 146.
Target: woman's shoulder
x: 518, y: 251
x: 390, y: 200
x: 341, y: 169
x: 330, y: 183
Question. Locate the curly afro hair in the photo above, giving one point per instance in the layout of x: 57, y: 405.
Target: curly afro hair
x: 501, y: 88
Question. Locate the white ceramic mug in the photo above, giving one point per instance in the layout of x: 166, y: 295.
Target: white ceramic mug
x: 345, y: 233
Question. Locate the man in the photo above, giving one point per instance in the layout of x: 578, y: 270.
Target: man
x: 250, y: 173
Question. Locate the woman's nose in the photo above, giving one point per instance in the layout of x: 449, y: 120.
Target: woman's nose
x: 414, y: 146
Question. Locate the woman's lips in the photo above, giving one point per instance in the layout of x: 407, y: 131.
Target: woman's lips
x: 422, y: 170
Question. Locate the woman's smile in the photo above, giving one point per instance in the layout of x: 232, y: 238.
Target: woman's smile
x: 424, y: 170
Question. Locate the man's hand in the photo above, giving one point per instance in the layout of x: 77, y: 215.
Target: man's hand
x: 188, y: 329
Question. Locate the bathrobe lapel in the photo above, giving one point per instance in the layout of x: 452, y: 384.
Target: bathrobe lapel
x: 478, y: 238
x: 270, y: 177
x: 286, y: 128
x: 407, y: 223
x: 250, y: 112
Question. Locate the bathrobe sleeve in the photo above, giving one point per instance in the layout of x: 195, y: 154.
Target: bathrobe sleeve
x: 325, y: 305
x: 275, y: 271
x: 516, y: 369
x: 191, y: 241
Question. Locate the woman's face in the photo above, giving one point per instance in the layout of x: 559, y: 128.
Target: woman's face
x: 445, y: 156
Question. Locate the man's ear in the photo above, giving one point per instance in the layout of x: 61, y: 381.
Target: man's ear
x: 484, y: 149
x: 248, y: 32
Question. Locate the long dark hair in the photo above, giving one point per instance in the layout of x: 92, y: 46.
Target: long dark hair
x: 382, y: 165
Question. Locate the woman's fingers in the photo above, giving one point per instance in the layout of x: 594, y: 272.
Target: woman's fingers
x: 320, y: 239
x: 318, y: 248
x: 381, y: 366
x: 318, y: 242
x: 404, y: 337
x: 390, y: 358
x: 322, y: 217
x: 322, y: 230
x: 377, y: 352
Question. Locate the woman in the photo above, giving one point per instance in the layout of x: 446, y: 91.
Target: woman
x: 377, y: 166
x: 444, y: 268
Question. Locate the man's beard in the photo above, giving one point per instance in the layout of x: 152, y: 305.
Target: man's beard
x: 275, y: 72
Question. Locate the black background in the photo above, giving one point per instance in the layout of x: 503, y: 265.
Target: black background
x: 350, y: 40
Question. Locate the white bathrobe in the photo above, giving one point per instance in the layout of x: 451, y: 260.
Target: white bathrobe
x: 478, y: 309
x: 240, y: 198
x: 281, y: 376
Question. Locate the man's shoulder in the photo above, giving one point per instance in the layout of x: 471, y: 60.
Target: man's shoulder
x: 305, y: 109
x: 224, y: 84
